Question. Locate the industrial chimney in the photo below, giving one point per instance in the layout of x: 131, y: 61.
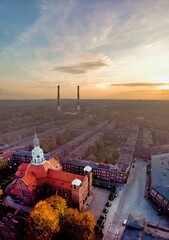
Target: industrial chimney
x: 78, y: 99
x: 58, y: 98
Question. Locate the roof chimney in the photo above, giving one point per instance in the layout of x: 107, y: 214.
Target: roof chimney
x: 58, y: 98
x: 78, y: 98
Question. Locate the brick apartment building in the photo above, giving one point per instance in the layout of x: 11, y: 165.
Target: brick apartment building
x: 159, y: 183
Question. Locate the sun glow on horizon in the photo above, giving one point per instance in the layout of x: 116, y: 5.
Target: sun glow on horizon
x: 102, y: 86
x: 164, y: 87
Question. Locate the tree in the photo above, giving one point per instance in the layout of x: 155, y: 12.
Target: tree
x: 58, y: 204
x: 92, y: 149
x: 3, y: 164
x: 100, y: 145
x: 78, y: 225
x: 45, y: 147
x: 91, y: 157
x: 115, y: 153
x: 4, y: 168
x: 1, y: 192
x: 43, y: 222
x: 51, y: 219
x: 52, y: 144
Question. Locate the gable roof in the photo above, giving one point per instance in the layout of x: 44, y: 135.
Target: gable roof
x: 30, y: 180
x: 62, y: 179
x: 135, y: 222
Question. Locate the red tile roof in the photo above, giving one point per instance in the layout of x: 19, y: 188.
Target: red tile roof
x: 23, y: 166
x: 14, y: 191
x: 62, y: 179
x: 7, y: 154
x: 32, y: 174
x: 55, y: 163
x: 30, y: 180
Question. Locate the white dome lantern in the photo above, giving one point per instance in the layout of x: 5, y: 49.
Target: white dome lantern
x: 88, y: 169
x: 76, y: 182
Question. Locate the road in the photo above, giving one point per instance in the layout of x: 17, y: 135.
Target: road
x: 131, y: 201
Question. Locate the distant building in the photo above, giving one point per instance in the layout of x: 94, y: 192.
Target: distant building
x: 73, y: 187
x: 105, y: 172
x: 160, y: 149
x: 159, y: 183
x: 23, y: 157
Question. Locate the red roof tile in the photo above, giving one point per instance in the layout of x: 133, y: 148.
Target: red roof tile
x: 14, y: 191
x: 30, y: 180
x: 7, y: 154
x: 62, y: 179
x: 23, y: 166
x: 55, y: 163
x: 32, y: 174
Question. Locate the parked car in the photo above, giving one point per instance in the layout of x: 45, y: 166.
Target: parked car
x: 103, y: 216
x: 105, y: 210
x: 101, y: 220
x: 124, y: 222
x: 108, y: 204
x: 111, y: 197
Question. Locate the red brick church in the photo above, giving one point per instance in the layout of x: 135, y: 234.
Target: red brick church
x: 73, y: 187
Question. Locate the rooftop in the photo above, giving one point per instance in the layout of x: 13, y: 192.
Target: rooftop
x: 160, y: 174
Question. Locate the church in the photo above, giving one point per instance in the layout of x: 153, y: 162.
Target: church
x: 72, y: 187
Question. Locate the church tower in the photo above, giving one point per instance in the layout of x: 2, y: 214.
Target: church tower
x: 37, y: 152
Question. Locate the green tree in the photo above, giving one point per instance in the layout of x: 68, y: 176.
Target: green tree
x: 52, y: 143
x: 45, y: 147
x: 115, y: 153
x: 92, y: 158
x: 92, y: 149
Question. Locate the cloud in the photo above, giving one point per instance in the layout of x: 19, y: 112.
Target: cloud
x: 143, y: 84
x: 48, y: 82
x: 82, y: 67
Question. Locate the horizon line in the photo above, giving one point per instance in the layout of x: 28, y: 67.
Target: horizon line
x: 83, y: 99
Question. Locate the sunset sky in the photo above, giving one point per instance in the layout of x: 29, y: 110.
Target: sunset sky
x: 113, y: 49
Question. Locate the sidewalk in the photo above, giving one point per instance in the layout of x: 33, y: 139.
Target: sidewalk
x: 8, y: 201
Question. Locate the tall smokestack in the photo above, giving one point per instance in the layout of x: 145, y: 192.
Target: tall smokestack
x: 58, y: 98
x: 78, y: 98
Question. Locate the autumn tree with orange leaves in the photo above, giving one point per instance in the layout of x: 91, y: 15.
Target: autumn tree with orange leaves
x: 43, y: 222
x: 51, y: 219
x: 77, y: 225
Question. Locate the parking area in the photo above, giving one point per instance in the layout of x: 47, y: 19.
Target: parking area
x: 99, y: 199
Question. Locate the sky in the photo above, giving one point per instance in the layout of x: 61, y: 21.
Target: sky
x: 112, y: 49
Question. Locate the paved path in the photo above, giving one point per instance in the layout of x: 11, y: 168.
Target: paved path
x: 9, y: 202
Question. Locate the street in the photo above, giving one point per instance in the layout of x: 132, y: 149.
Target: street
x: 131, y: 200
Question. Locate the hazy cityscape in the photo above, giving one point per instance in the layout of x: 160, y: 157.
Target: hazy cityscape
x: 84, y: 120
x: 125, y: 144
